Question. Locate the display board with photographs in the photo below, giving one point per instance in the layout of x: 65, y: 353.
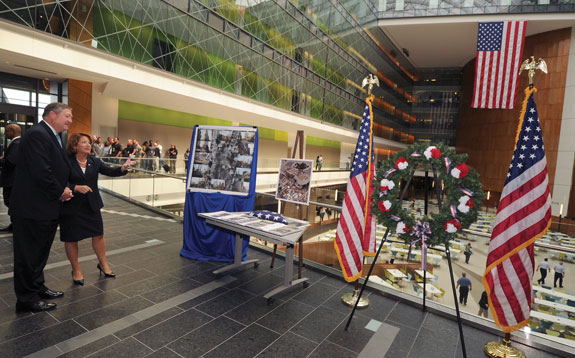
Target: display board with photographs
x: 222, y: 159
x: 294, y: 180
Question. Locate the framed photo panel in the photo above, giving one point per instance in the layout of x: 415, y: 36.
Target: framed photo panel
x: 294, y: 180
x: 222, y: 159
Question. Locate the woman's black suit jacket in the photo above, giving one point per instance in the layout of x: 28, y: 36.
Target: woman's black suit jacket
x: 80, y: 217
x: 91, y: 201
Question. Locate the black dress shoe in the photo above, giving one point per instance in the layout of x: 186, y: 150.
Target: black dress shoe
x: 38, y: 306
x: 49, y: 294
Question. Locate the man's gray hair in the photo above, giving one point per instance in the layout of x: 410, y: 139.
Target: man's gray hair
x: 57, y: 107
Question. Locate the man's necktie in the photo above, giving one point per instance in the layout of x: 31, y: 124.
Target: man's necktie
x: 59, y: 140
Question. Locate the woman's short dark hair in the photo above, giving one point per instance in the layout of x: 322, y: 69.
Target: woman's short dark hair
x: 73, y: 142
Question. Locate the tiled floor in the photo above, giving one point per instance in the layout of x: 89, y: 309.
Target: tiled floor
x: 163, y: 305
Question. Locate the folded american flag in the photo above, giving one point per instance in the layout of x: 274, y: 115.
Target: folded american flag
x: 269, y: 215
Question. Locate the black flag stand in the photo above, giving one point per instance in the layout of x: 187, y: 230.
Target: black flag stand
x: 367, y: 278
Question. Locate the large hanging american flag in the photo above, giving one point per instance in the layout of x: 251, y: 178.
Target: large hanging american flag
x: 355, y: 235
x: 499, y: 51
x: 523, y: 216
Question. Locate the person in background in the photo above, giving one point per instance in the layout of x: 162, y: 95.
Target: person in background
x: 186, y: 158
x: 467, y: 251
x: 8, y: 165
x: 319, y: 162
x: 348, y: 163
x: 559, y: 274
x: 39, y: 190
x: 81, y: 217
x: 483, y: 305
x: 173, y: 155
x: 464, y: 285
x: 544, y: 269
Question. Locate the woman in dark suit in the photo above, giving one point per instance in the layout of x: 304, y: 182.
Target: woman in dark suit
x: 80, y: 217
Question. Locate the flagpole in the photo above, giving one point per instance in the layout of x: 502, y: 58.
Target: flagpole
x: 504, y: 349
x: 354, y: 298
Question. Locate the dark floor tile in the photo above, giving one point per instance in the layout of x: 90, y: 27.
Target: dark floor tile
x: 39, y: 340
x: 434, y: 322
x: 319, y: 324
x: 355, y: 338
x: 249, y: 312
x: 285, y: 316
x: 202, y: 340
x: 172, y: 290
x: 9, y: 314
x: 172, y: 329
x: 26, y: 325
x: 129, y: 348
x: 203, y: 298
x: 122, y: 280
x: 262, y: 284
x: 77, y: 294
x: 257, y: 336
x: 426, y: 345
x: 315, y: 294
x: 403, y: 341
x: 147, y: 323
x: 112, y: 312
x: 148, y: 285
x: 225, y: 302
x: 334, y: 282
x: 163, y: 353
x: 379, y: 307
x: 330, y: 350
x: 90, y: 348
x: 408, y: 315
x: 78, y: 308
x: 289, y: 346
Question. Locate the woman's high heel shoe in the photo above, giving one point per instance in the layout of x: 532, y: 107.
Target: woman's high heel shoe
x: 111, y: 274
x: 77, y: 282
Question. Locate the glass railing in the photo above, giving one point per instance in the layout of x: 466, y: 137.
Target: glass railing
x: 397, y: 270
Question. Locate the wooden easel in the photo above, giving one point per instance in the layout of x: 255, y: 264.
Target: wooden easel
x: 298, y: 144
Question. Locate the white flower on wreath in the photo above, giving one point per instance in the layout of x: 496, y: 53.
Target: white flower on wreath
x: 386, y: 184
x: 401, y: 228
x: 465, y: 204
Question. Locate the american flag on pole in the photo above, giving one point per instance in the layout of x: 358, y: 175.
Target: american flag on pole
x: 523, y: 216
x: 499, y: 51
x: 355, y: 235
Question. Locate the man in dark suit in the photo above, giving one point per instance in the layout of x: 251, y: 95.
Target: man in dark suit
x: 8, y: 164
x: 39, y: 189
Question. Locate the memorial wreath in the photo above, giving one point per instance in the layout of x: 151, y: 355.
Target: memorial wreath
x: 458, y: 204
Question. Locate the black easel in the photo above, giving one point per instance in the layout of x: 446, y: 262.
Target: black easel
x: 448, y: 256
x: 298, y: 144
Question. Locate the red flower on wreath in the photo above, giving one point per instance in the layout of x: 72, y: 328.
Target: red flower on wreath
x: 432, y: 152
x: 384, y: 206
x: 401, y: 163
x: 460, y: 171
x: 452, y: 226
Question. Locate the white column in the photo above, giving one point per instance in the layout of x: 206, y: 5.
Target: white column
x: 566, y: 150
x: 104, y: 114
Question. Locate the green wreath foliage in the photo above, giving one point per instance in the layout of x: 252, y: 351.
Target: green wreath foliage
x: 454, y: 191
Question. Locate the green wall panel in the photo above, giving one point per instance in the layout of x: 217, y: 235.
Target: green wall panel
x: 321, y: 142
x: 149, y: 114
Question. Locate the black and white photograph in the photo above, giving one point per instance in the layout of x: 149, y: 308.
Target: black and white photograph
x: 294, y: 180
x: 222, y: 159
